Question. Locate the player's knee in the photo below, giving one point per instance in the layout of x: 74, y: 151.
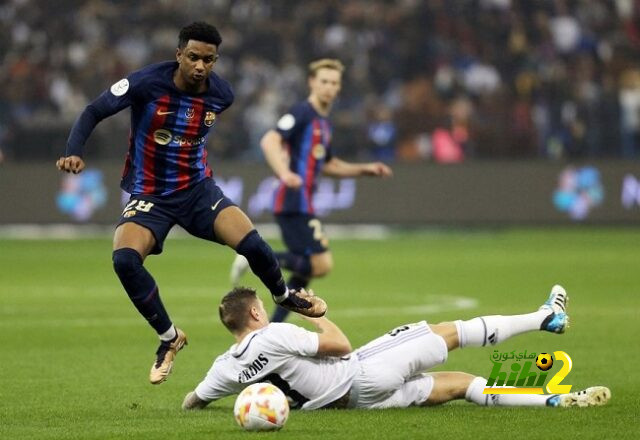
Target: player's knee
x: 321, y: 270
x: 321, y: 265
x: 126, y: 262
x: 449, y: 332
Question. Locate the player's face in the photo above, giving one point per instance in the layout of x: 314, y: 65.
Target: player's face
x: 325, y: 86
x: 196, y: 61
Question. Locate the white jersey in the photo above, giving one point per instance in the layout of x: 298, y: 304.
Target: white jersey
x: 282, y: 354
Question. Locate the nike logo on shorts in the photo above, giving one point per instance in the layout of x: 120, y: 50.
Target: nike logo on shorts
x: 213, y: 208
x: 161, y: 113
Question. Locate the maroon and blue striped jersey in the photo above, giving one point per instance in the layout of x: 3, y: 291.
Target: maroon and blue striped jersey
x: 169, y: 128
x: 307, y: 137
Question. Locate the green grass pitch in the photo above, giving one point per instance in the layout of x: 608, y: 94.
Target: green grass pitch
x: 75, y: 354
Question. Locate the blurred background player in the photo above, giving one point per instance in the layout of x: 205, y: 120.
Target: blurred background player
x: 174, y: 104
x: 320, y: 370
x: 297, y: 151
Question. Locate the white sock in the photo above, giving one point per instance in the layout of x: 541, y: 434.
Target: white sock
x: 169, y: 335
x: 478, y: 332
x: 279, y: 298
x: 474, y: 394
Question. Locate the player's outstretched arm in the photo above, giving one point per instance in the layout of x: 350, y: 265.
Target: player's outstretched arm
x: 340, y: 168
x: 70, y: 164
x: 331, y: 340
x: 278, y: 159
x: 377, y: 169
x: 108, y: 103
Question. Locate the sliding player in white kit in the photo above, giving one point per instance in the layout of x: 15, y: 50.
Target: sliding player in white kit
x: 320, y: 370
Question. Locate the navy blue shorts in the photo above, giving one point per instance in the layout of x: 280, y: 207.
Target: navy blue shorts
x: 195, y: 209
x: 303, y: 234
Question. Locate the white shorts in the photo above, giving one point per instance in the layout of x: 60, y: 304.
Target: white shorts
x: 390, y: 367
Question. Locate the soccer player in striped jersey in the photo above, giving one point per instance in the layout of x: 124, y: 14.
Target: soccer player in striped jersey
x: 298, y: 151
x: 174, y: 105
x: 320, y: 370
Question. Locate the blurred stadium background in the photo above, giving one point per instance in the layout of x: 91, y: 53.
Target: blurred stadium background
x: 515, y: 122
x: 537, y: 102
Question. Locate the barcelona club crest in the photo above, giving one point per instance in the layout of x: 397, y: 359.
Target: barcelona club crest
x: 318, y: 151
x: 209, y: 118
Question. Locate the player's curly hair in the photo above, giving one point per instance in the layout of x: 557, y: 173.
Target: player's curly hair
x: 234, y: 306
x: 199, y: 31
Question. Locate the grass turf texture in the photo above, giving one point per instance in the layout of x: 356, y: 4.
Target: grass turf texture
x: 75, y: 354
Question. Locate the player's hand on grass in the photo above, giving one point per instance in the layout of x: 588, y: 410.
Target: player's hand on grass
x: 377, y: 169
x: 70, y: 164
x: 291, y: 180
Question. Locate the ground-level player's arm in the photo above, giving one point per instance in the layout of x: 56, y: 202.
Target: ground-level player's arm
x: 278, y: 159
x: 213, y: 387
x: 331, y: 340
x: 339, y: 168
x: 192, y: 401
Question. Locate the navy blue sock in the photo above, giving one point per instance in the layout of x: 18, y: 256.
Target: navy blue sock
x: 141, y: 288
x: 262, y: 262
x: 295, y: 283
x: 299, y: 264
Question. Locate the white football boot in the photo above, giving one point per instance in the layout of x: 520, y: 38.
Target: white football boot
x: 556, y: 304
x: 592, y: 396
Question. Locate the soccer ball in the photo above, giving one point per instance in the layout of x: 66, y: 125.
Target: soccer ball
x: 544, y: 361
x: 261, y: 407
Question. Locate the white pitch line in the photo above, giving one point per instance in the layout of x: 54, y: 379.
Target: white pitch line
x: 67, y: 231
x: 432, y: 304
x: 96, y: 322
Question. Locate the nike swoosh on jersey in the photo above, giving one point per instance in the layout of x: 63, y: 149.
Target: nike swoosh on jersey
x: 213, y: 208
x: 161, y: 113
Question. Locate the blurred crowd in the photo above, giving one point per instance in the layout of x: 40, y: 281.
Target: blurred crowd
x: 432, y: 80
